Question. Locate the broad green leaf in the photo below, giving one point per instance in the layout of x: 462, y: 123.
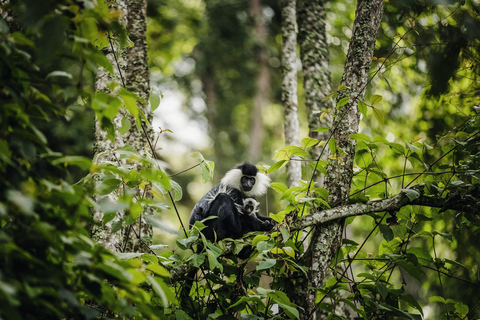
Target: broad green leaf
x: 260, y: 237
x: 291, y: 311
x: 126, y: 125
x: 376, y: 98
x: 378, y: 115
x: 108, y: 186
x: 155, y: 97
x: 343, y: 102
x: 437, y: 299
x: 386, y: 231
x: 277, y: 165
x: 329, y: 96
x: 362, y: 107
x: 447, y: 236
x: 382, y: 289
x: 411, y: 194
x: 177, y: 191
x: 82, y: 162
x: 266, y: 264
x: 308, y: 142
x: 321, y: 129
x: 332, y: 146
x: 360, y: 137
x: 412, y: 147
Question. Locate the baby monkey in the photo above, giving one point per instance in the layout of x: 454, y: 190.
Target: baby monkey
x: 251, y: 208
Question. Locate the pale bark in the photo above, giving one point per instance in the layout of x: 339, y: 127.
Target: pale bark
x: 289, y: 88
x: 261, y: 97
x: 131, y: 70
x: 327, y: 238
x: 317, y: 81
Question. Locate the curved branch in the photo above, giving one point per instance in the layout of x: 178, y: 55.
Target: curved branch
x: 412, y: 196
x: 464, y: 203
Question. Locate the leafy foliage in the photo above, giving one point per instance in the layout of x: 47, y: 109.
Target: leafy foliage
x: 50, y: 267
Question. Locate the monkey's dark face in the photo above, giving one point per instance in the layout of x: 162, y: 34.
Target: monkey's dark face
x: 247, y: 182
x: 249, y: 208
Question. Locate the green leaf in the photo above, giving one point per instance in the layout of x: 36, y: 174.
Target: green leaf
x: 126, y: 125
x: 108, y: 186
x: 382, y: 289
x: 412, y: 147
x: 411, y: 300
x: 461, y: 309
x: 329, y: 96
x: 343, y: 102
x: 186, y: 243
x: 386, y: 231
x: 376, y: 98
x: 360, y: 137
x: 447, y: 236
x: 117, y: 226
x: 321, y: 129
x: 181, y: 315
x: 362, y: 107
x: 349, y: 242
x: 378, y: 115
x: 266, y: 264
x: 155, y: 97
x: 292, y: 312
x: 277, y: 165
x: 420, y: 253
x: 82, y: 162
x: 58, y: 73
x: 455, y: 263
x: 410, y: 268
x: 212, y: 260
x: 258, y: 238
x: 411, y: 194
x: 177, y: 191
x: 197, y: 259
x: 437, y: 299
x: 332, y: 146
x: 308, y: 142
x: 155, y: 282
x: 208, y: 168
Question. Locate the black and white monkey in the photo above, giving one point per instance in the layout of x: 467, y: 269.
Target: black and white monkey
x: 233, y: 202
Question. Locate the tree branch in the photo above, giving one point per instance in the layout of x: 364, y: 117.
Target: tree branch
x: 412, y: 196
x: 464, y: 203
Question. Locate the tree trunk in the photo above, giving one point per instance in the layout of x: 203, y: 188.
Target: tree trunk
x: 262, y: 82
x: 289, y: 88
x: 326, y: 239
x: 317, y: 81
x: 131, y: 70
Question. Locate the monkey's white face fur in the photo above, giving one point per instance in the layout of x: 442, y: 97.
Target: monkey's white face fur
x: 232, y: 179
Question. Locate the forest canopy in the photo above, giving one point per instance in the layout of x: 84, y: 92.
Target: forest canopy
x: 117, y: 116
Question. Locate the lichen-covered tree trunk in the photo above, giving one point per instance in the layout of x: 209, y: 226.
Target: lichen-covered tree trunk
x: 316, y: 75
x: 289, y: 88
x: 326, y: 239
x: 261, y: 97
x: 130, y: 69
